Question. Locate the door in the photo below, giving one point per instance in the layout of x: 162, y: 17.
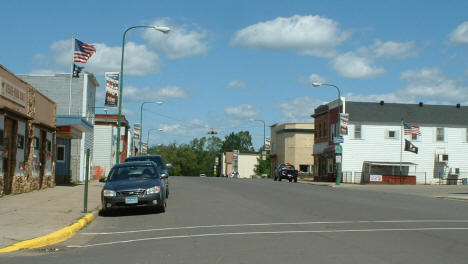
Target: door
x: 9, y: 154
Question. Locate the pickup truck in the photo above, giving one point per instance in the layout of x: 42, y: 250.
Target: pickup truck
x: 285, y: 171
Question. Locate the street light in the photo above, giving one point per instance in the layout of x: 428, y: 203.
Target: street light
x: 162, y: 29
x: 147, y: 137
x: 338, y: 167
x: 141, y: 116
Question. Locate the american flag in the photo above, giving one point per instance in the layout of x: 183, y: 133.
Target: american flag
x: 411, y: 129
x: 83, y: 51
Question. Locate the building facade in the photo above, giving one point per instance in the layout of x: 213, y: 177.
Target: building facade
x: 293, y: 143
x: 27, y: 136
x: 75, y: 99
x: 105, y: 137
x: 243, y: 163
x: 373, y: 150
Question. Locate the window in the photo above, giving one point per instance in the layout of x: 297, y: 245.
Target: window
x: 36, y: 142
x: 319, y: 130
x: 440, y: 134
x: 49, y: 146
x: 20, y: 142
x: 357, y: 131
x: 60, y: 153
x: 304, y: 168
x: 391, y: 134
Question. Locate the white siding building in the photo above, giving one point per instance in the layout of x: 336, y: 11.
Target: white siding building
x: 375, y: 143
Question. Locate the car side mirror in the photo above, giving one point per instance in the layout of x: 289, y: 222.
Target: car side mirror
x: 169, y: 165
x: 103, y: 179
x: 163, y: 176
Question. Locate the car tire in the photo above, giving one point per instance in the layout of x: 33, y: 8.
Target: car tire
x: 162, y: 207
x: 290, y: 180
x: 275, y: 179
x: 279, y: 178
x: 295, y: 179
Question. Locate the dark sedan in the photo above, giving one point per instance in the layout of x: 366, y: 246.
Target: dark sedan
x: 133, y: 184
x: 285, y: 171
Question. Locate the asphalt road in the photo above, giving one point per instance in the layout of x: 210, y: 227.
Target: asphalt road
x: 219, y: 220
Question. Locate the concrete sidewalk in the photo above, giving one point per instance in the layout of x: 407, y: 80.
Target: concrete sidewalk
x: 455, y: 192
x: 38, y: 213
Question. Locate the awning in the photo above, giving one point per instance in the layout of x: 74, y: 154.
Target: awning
x: 71, y: 126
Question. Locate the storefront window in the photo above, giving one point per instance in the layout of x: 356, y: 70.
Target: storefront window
x: 36, y: 142
x: 49, y: 146
x: 20, y: 142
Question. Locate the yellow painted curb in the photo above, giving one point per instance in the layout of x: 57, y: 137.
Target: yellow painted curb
x: 52, y: 238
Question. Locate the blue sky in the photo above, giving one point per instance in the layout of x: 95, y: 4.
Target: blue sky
x: 226, y: 62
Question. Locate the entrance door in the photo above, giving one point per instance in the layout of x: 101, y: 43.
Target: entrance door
x: 9, y: 154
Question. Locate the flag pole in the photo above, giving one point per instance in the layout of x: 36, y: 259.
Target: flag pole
x: 71, y: 74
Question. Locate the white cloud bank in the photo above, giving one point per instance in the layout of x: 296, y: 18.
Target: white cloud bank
x: 242, y: 112
x: 350, y: 65
x: 144, y: 94
x: 182, y: 41
x: 308, y: 35
x: 460, y: 34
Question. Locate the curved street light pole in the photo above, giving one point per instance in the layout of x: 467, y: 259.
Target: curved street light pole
x: 119, y: 119
x: 141, y: 118
x: 338, y: 167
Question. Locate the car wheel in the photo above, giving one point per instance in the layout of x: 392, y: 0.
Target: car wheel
x: 275, y: 179
x: 295, y: 179
x: 279, y: 178
x: 290, y: 179
x: 162, y: 207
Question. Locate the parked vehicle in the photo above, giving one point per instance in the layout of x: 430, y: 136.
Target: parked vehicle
x: 162, y: 167
x: 285, y: 171
x: 133, y: 184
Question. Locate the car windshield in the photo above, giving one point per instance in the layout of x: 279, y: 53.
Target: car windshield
x: 133, y: 173
x: 156, y: 159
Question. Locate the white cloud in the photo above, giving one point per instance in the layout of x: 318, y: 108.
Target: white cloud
x: 242, y: 111
x: 189, y: 128
x: 353, y: 66
x: 431, y: 83
x: 182, y: 41
x: 299, y: 109
x: 166, y: 92
x: 138, y: 59
x: 427, y: 85
x: 308, y: 35
x: 236, y: 84
x: 311, y: 79
x: 392, y: 49
x: 43, y: 72
x: 460, y: 34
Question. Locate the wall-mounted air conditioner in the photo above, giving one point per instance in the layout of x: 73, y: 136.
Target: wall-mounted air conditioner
x: 442, y: 158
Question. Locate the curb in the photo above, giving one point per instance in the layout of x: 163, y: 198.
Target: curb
x: 52, y: 238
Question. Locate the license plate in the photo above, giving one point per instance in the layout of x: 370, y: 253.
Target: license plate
x: 131, y: 200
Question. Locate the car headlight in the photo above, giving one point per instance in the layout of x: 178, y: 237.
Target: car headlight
x: 153, y: 190
x: 108, y: 193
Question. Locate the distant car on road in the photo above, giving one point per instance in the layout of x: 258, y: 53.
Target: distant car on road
x: 285, y: 171
x: 162, y: 167
x: 202, y: 175
x: 133, y: 184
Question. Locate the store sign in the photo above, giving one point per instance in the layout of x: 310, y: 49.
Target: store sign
x: 375, y: 178
x: 14, y: 93
x: 268, y: 143
x: 136, y: 131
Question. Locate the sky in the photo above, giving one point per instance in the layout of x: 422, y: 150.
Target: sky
x: 227, y: 63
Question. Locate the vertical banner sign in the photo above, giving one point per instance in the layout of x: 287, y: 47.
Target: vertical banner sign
x: 112, y: 89
x: 144, y: 148
x: 136, y: 131
x: 267, y: 143
x: 344, y: 124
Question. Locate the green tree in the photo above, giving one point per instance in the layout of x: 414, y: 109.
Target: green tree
x: 263, y: 166
x: 241, y: 141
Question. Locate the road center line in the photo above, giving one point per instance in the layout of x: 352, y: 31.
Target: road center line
x: 272, y: 233
x: 276, y: 224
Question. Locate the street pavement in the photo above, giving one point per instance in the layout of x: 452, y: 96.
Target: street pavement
x: 220, y: 220
x: 38, y: 213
